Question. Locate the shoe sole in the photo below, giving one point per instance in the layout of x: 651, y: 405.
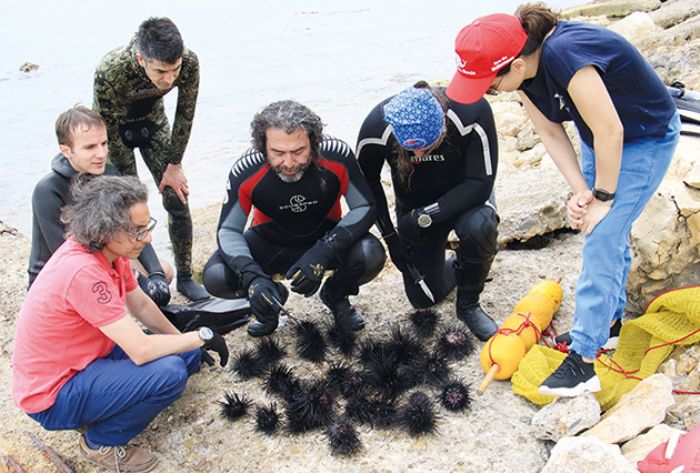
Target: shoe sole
x: 591, y: 386
x: 86, y: 456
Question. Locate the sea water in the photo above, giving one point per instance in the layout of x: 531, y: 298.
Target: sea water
x: 339, y: 58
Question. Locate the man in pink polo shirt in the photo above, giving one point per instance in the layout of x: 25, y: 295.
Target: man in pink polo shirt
x: 92, y: 367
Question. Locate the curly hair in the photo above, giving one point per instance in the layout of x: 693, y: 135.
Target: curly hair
x: 289, y: 116
x: 101, y: 208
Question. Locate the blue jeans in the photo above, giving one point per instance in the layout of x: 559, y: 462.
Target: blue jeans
x: 601, y: 290
x: 116, y: 399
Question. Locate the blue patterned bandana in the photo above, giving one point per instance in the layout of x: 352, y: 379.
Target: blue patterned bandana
x: 416, y: 117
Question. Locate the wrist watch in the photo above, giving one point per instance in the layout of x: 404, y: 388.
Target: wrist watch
x: 603, y: 195
x: 424, y: 220
x: 205, y: 334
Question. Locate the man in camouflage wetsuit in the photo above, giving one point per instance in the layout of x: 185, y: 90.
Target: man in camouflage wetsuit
x: 130, y: 83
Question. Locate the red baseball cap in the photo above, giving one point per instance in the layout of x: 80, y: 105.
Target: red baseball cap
x: 484, y: 47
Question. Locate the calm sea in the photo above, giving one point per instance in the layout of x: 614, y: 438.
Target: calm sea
x: 340, y: 58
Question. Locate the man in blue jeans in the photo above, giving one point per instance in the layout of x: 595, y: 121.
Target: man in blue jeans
x: 80, y: 361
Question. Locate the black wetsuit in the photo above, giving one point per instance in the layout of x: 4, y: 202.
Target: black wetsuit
x: 50, y: 195
x: 455, y: 181
x: 290, y: 217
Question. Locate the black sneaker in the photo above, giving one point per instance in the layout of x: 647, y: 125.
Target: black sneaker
x: 573, y: 378
x: 613, y: 338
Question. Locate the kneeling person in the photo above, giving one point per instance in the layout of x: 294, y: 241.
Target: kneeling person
x: 443, y: 158
x: 293, y: 179
x: 82, y: 141
x: 80, y: 361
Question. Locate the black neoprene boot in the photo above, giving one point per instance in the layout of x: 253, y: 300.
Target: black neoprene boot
x: 265, y: 324
x: 189, y: 288
x: 344, y: 313
x: 470, y: 283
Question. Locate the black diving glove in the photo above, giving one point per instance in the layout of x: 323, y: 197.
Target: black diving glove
x: 307, y: 273
x: 156, y: 287
x: 398, y: 251
x: 263, y: 295
x: 216, y: 344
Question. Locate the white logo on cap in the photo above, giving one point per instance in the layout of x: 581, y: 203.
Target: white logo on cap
x: 501, y: 62
x: 462, y: 65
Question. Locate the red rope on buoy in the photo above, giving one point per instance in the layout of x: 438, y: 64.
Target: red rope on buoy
x: 527, y: 322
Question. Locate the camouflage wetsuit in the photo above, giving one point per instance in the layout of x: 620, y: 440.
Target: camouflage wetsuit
x: 133, y: 108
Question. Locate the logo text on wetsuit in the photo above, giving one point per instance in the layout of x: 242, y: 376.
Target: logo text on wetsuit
x: 298, y: 204
x: 427, y: 157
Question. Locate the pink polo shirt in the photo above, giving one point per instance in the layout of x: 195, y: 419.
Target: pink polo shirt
x: 57, y: 331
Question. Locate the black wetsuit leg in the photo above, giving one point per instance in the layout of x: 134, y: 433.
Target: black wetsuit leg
x: 429, y: 258
x: 221, y: 281
x: 357, y: 266
x: 477, y: 230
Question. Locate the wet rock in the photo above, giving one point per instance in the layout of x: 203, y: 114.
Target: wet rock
x: 643, y: 407
x: 586, y: 454
x: 28, y: 67
x: 638, y: 448
x: 566, y: 417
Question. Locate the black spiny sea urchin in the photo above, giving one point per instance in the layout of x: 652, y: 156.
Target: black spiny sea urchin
x: 233, y: 407
x: 417, y: 416
x: 310, y: 343
x: 310, y: 408
x: 281, y: 381
x: 267, y: 419
x: 269, y: 351
x: 455, y: 396
x: 343, y: 438
x: 424, y: 322
x: 454, y: 343
x: 342, y: 339
x: 247, y: 365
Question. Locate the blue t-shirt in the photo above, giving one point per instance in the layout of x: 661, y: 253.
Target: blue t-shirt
x: 638, y: 94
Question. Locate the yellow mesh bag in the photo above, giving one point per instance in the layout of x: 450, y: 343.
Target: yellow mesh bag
x: 673, y: 318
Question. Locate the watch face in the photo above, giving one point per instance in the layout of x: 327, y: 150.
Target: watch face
x: 424, y: 220
x: 206, y: 334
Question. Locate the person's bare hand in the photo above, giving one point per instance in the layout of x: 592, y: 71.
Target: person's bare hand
x: 596, y: 212
x: 577, y: 206
x: 174, y: 177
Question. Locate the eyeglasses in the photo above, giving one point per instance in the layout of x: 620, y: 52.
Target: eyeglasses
x: 141, y: 234
x: 493, y: 89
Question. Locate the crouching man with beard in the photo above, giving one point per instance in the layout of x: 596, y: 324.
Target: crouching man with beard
x: 292, y: 180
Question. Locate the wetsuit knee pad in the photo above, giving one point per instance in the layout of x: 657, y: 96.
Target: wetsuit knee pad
x: 478, y: 234
x: 219, y: 280
x: 173, y: 205
x: 369, y: 253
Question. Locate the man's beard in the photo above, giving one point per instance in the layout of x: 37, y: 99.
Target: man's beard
x: 293, y: 178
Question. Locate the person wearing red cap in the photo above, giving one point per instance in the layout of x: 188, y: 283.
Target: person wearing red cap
x: 628, y: 127
x: 443, y: 158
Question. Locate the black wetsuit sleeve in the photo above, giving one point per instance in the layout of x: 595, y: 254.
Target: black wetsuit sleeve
x: 362, y: 214
x: 234, y: 214
x: 47, y: 202
x: 149, y: 259
x: 480, y: 149
x: 372, y: 152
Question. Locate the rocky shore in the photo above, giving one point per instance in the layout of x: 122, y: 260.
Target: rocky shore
x: 501, y: 432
